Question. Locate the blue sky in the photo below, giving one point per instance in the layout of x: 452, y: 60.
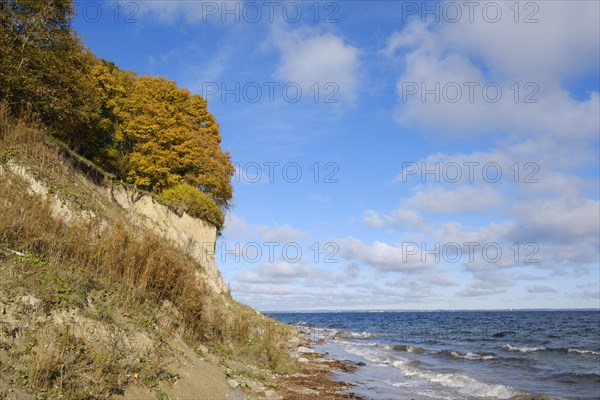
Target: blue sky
x: 390, y: 154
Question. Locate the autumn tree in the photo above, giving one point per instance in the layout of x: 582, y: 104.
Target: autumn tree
x: 145, y: 130
x: 43, y: 65
x: 171, y: 138
x: 99, y: 141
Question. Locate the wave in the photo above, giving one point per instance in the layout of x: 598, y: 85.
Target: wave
x: 466, y: 386
x: 508, y: 347
x: 354, y: 335
x: 574, y: 377
x: 407, y: 348
x: 584, y: 351
x: 335, y: 334
x: 478, y: 356
x: 370, y: 353
x: 322, y: 333
x: 524, y: 349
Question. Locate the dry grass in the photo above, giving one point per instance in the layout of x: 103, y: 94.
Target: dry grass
x: 64, y: 262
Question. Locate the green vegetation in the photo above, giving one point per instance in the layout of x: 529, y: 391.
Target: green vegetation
x: 43, y: 65
x: 194, y: 202
x: 144, y: 130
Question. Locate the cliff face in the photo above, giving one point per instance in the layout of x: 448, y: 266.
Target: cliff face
x: 195, y: 237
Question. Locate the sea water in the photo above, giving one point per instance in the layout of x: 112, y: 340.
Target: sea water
x: 462, y: 354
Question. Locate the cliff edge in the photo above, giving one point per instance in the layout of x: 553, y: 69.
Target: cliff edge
x: 108, y: 293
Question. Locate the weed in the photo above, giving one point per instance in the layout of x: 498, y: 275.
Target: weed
x: 6, y: 154
x: 162, y: 396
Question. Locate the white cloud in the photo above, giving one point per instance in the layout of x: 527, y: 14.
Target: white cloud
x: 260, y: 289
x: 543, y: 163
x: 282, y: 272
x: 552, y: 50
x: 237, y: 226
x: 404, y: 257
x: 588, y: 285
x: 283, y: 233
x: 476, y: 291
x: 454, y: 232
x: 488, y: 280
x: 548, y: 50
x: 565, y: 219
x: 558, y: 136
x: 199, y: 11
x: 461, y: 200
x: 540, y: 289
x: 310, y: 56
x: 372, y: 219
x: 409, y: 213
x: 551, y: 55
x: 427, y: 279
x: 240, y: 228
x: 402, y: 218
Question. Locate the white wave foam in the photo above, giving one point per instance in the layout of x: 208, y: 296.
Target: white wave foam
x: 472, y: 356
x: 461, y: 386
x: 584, y: 351
x: 368, y: 353
x: 400, y: 364
x: 524, y: 349
x: 360, y: 335
x: 465, y: 385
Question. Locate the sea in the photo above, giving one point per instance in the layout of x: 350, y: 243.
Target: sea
x: 461, y: 354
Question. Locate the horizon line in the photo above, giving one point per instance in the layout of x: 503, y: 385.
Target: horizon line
x: 372, y: 310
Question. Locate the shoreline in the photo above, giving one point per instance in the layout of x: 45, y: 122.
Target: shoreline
x: 312, y: 379
x: 312, y: 376
x: 315, y: 380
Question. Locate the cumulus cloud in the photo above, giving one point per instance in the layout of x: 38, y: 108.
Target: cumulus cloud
x: 283, y: 233
x: 399, y: 218
x: 452, y: 54
x: 545, y: 216
x: 555, y: 40
x: 409, y: 214
x: 463, y: 199
x: 402, y: 257
x: 540, y: 289
x: 542, y: 163
x: 239, y: 227
x: 571, y: 219
x: 282, y: 272
x: 310, y: 56
x: 372, y: 219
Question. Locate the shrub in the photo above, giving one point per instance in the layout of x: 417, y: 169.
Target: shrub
x: 194, y: 202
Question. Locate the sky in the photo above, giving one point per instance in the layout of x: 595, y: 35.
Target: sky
x: 403, y: 155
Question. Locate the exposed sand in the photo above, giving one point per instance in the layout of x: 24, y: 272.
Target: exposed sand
x: 205, y: 379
